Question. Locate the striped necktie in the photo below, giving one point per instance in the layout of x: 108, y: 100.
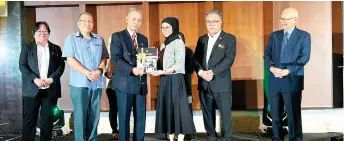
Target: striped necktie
x: 284, y: 42
x: 133, y: 38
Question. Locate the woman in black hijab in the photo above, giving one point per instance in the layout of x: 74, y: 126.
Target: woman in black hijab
x: 173, y: 115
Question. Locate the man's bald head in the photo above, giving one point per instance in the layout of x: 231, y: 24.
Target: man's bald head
x: 290, y: 12
x: 288, y: 18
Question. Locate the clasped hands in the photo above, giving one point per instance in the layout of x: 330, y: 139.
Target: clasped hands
x: 207, y: 75
x: 43, y: 82
x: 93, y: 75
x: 279, y: 73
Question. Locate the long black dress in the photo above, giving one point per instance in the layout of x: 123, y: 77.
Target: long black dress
x: 173, y: 114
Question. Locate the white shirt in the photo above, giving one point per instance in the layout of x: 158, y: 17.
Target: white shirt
x: 211, y: 43
x: 290, y: 31
x: 43, y: 57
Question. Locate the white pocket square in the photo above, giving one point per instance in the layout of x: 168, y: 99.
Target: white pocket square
x: 221, y: 46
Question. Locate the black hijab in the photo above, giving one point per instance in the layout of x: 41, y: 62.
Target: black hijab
x: 175, y: 29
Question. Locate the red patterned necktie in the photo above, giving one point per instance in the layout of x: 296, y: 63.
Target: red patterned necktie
x: 133, y: 38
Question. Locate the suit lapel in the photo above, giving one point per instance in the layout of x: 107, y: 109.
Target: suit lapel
x: 292, y: 41
x: 139, y: 41
x: 128, y: 41
x: 205, y: 51
x: 218, y: 41
x: 35, y: 58
x: 280, y: 40
x: 51, y: 54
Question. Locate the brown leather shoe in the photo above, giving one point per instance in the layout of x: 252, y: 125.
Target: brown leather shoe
x: 115, y: 136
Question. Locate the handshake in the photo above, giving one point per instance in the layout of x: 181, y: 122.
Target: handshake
x: 279, y: 73
x: 207, y: 75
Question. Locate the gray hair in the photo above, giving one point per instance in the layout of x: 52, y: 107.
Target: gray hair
x: 84, y: 13
x: 214, y: 12
x: 132, y: 10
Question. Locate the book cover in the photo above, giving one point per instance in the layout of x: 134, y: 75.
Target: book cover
x: 147, y: 58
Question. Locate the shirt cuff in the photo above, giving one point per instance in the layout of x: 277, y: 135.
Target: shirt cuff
x: 200, y: 72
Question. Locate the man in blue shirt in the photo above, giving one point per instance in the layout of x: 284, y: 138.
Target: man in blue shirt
x: 86, y: 55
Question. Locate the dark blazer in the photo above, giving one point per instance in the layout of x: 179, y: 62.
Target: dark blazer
x: 295, y: 55
x: 220, y: 62
x: 28, y: 65
x: 123, y: 57
x: 189, y: 68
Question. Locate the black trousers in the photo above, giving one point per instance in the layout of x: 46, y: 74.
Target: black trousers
x: 188, y: 78
x: 188, y: 85
x: 292, y: 102
x: 113, y: 109
x: 223, y: 101
x: 44, y: 104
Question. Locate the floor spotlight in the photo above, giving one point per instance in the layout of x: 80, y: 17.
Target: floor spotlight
x: 58, y: 122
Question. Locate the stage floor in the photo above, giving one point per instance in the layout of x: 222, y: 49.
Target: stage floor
x: 198, y: 137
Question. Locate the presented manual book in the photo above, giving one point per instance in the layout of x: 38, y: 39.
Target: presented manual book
x: 147, y: 58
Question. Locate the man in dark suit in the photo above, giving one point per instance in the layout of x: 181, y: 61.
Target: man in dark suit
x: 287, y: 52
x: 129, y: 81
x: 41, y: 66
x: 214, y: 56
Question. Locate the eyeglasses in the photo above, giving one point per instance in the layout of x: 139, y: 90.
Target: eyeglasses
x: 165, y: 28
x: 286, y: 19
x: 212, y: 22
x: 85, y: 21
x: 136, y: 20
x: 42, y: 31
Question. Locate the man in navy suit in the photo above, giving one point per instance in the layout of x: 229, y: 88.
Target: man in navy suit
x: 130, y: 82
x: 287, y: 53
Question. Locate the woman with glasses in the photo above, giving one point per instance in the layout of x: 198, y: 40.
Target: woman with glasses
x: 173, y: 115
x: 41, y: 66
